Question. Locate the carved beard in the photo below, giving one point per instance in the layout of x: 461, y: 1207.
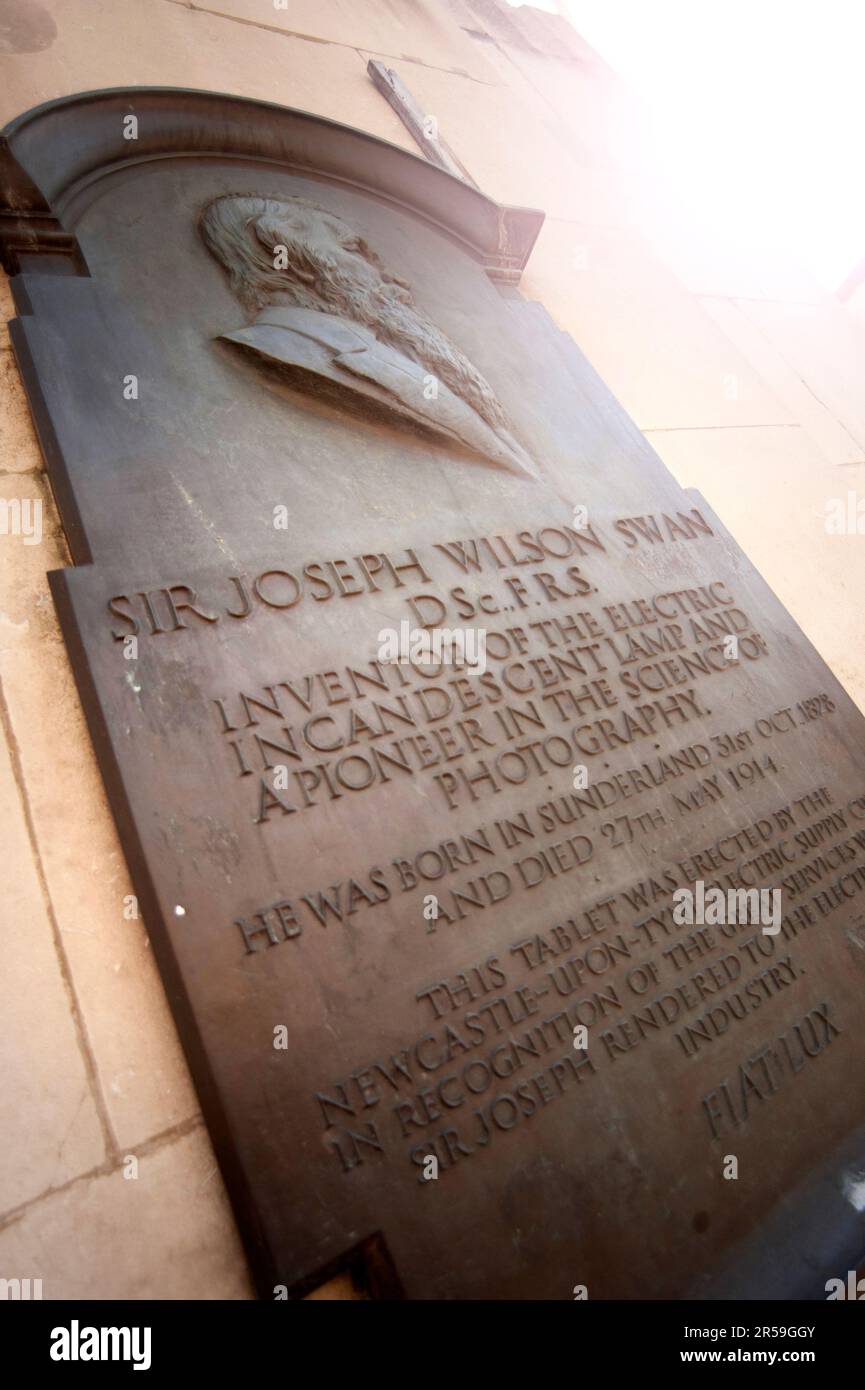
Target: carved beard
x: 386, y: 307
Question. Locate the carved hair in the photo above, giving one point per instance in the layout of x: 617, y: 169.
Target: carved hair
x: 245, y: 233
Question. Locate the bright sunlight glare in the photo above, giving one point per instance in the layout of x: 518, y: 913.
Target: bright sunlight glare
x: 755, y: 112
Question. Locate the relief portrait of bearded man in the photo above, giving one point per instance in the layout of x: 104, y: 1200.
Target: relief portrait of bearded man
x: 328, y: 315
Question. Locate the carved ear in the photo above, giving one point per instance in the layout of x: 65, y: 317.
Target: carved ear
x: 267, y: 232
x: 271, y: 235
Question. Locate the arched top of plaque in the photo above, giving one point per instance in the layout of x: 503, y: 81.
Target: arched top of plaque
x: 53, y: 153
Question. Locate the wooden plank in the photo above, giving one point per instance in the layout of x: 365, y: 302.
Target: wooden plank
x: 422, y: 127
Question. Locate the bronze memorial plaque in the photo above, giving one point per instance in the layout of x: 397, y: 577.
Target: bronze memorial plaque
x: 500, y: 837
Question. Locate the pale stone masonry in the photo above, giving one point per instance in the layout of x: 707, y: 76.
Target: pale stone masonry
x: 747, y: 377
